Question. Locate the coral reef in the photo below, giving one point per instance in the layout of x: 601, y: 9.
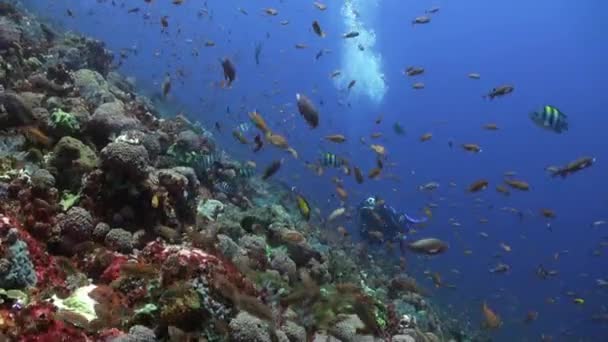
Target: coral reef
x: 119, y: 224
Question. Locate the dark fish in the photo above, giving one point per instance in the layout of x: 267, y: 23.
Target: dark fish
x: 259, y: 143
x: 258, y: 51
x: 398, y: 129
x: 307, y: 110
x: 550, y: 118
x: 499, y: 91
x: 70, y: 13
x: 133, y: 10
x: 218, y: 127
x: 351, y: 84
x: 414, y: 71
x: 166, y: 87
x: 575, y: 166
x: 351, y: 35
x: 358, y: 175
x: 225, y: 187
x: 273, y: 168
x: 229, y: 71
x: 164, y: 22
x: 317, y: 28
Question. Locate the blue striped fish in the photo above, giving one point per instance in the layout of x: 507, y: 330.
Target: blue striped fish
x: 551, y: 118
x: 331, y: 160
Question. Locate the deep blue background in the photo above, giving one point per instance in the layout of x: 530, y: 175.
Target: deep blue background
x: 554, y: 52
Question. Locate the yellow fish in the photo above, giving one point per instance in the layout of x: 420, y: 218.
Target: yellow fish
x: 303, y: 207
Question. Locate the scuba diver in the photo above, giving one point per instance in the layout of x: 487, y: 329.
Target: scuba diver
x: 381, y: 222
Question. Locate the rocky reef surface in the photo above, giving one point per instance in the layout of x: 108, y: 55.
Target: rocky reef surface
x: 117, y: 224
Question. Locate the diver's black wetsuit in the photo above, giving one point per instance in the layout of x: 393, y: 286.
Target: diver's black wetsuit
x: 384, y: 218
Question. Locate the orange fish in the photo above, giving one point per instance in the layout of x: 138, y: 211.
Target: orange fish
x: 490, y: 126
x: 277, y: 140
x: 341, y: 193
x: 491, y: 319
x: 478, y: 185
x: 258, y: 121
x: 374, y: 173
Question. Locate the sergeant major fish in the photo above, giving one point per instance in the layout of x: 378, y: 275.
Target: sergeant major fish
x: 550, y: 118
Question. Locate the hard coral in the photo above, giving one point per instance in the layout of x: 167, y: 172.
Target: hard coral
x: 125, y: 159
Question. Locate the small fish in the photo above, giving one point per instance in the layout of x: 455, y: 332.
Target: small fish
x: 229, y: 71
x: 500, y: 268
x: 307, y: 110
x: 343, y: 231
x: 433, y: 10
x: 491, y: 319
x: 531, y: 316
x: 358, y: 175
x: 284, y: 22
x: 429, y: 246
x: 499, y: 91
x: 164, y: 22
x: 133, y: 10
x: 518, y: 184
x: 337, y: 138
x: 598, y: 223
x: 271, y: 11
x: 398, y: 129
x: 258, y: 143
x: 335, y: 214
x: 259, y: 122
x: 166, y: 86
x: 320, y: 6
x: 471, y: 148
x: 70, y: 13
x: 418, y: 85
x: 374, y: 173
x: 243, y: 11
x: 351, y: 84
x: 502, y: 189
x: 240, y: 137
x: 341, y: 192
x: 490, y: 127
x: 547, y: 213
x: 335, y: 73
x: 379, y: 149
x: 550, y: 118
x: 352, y: 34
x: 430, y: 186
x: 277, y: 140
x: 423, y: 19
x: 474, y: 76
x: 272, y: 169
x: 505, y: 247
x: 303, y: 206
x: 579, y: 301
x: 426, y: 137
x: 413, y: 71
x: 479, y: 185
x: 301, y: 46
x: 209, y: 43
x: 330, y: 159
x: 573, y: 167
x: 316, y: 27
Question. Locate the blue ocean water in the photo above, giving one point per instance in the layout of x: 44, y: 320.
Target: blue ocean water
x: 553, y: 52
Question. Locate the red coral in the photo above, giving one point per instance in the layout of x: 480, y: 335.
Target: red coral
x: 183, y: 263
x: 38, y: 324
x: 48, y: 272
x: 112, y: 272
